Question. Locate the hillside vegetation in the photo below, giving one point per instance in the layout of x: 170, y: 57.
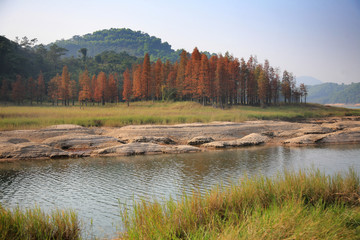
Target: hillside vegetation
x: 135, y: 43
x: 334, y: 93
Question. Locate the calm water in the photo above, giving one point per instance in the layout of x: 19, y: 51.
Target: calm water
x: 95, y: 187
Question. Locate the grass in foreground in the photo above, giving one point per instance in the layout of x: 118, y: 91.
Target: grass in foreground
x: 32, y: 117
x: 290, y: 206
x: 35, y: 224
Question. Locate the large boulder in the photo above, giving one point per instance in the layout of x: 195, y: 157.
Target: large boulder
x: 79, y: 141
x: 249, y: 140
x: 150, y: 139
x: 200, y: 140
x: 181, y: 149
x: 252, y: 139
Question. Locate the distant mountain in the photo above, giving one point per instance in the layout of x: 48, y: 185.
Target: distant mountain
x: 334, y: 93
x: 135, y: 43
x: 308, y: 80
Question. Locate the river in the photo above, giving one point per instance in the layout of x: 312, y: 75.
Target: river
x: 96, y: 187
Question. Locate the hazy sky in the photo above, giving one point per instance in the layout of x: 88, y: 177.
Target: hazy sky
x: 318, y: 38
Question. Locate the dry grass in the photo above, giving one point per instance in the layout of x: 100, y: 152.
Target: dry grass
x: 35, y: 224
x: 291, y: 206
x: 32, y: 117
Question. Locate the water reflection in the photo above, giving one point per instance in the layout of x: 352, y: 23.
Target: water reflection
x: 94, y: 186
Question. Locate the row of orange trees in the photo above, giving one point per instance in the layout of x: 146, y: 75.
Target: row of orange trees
x: 218, y: 80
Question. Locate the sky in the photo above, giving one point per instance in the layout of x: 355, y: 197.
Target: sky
x: 317, y: 38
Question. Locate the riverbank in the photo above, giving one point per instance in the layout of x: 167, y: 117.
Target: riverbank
x: 303, y: 205
x: 159, y: 113
x: 61, y: 141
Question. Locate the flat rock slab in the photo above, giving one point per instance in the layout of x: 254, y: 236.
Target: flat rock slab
x: 347, y: 136
x: 305, y: 139
x: 144, y: 148
x: 79, y: 141
x: 45, y: 133
x: 200, y: 140
x: 316, y: 129
x: 29, y: 150
x: 249, y: 140
x: 50, y: 142
x: 182, y: 133
x: 181, y: 149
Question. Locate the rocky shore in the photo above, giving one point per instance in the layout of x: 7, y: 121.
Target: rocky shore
x: 75, y: 141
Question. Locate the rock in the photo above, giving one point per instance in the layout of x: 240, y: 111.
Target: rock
x: 287, y: 133
x: 305, y: 139
x: 181, y: 149
x: 200, y: 140
x: 132, y: 149
x: 342, y: 125
x: 64, y: 127
x: 151, y: 139
x: 144, y: 148
x: 182, y: 133
x: 252, y: 139
x: 31, y: 150
x: 249, y: 140
x: 217, y: 144
x: 49, y: 132
x: 316, y: 129
x: 79, y: 141
x: 13, y: 140
x: 351, y: 135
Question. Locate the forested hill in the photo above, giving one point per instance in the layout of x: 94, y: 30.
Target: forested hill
x: 334, y: 93
x: 135, y: 43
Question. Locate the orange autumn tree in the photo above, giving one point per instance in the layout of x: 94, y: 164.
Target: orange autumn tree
x: 146, y: 84
x: 168, y: 89
x: 180, y: 76
x: 18, y: 90
x: 65, y: 86
x: 212, y: 75
x: 203, y: 88
x: 92, y: 88
x: 112, y: 89
x: 100, y: 85
x: 137, y: 82
x: 262, y: 87
x: 127, y: 92
x: 40, y: 88
x: 85, y: 87
x: 53, y: 89
x: 234, y: 79
x: 157, y: 79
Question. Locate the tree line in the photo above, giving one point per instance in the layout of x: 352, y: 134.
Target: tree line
x: 218, y: 80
